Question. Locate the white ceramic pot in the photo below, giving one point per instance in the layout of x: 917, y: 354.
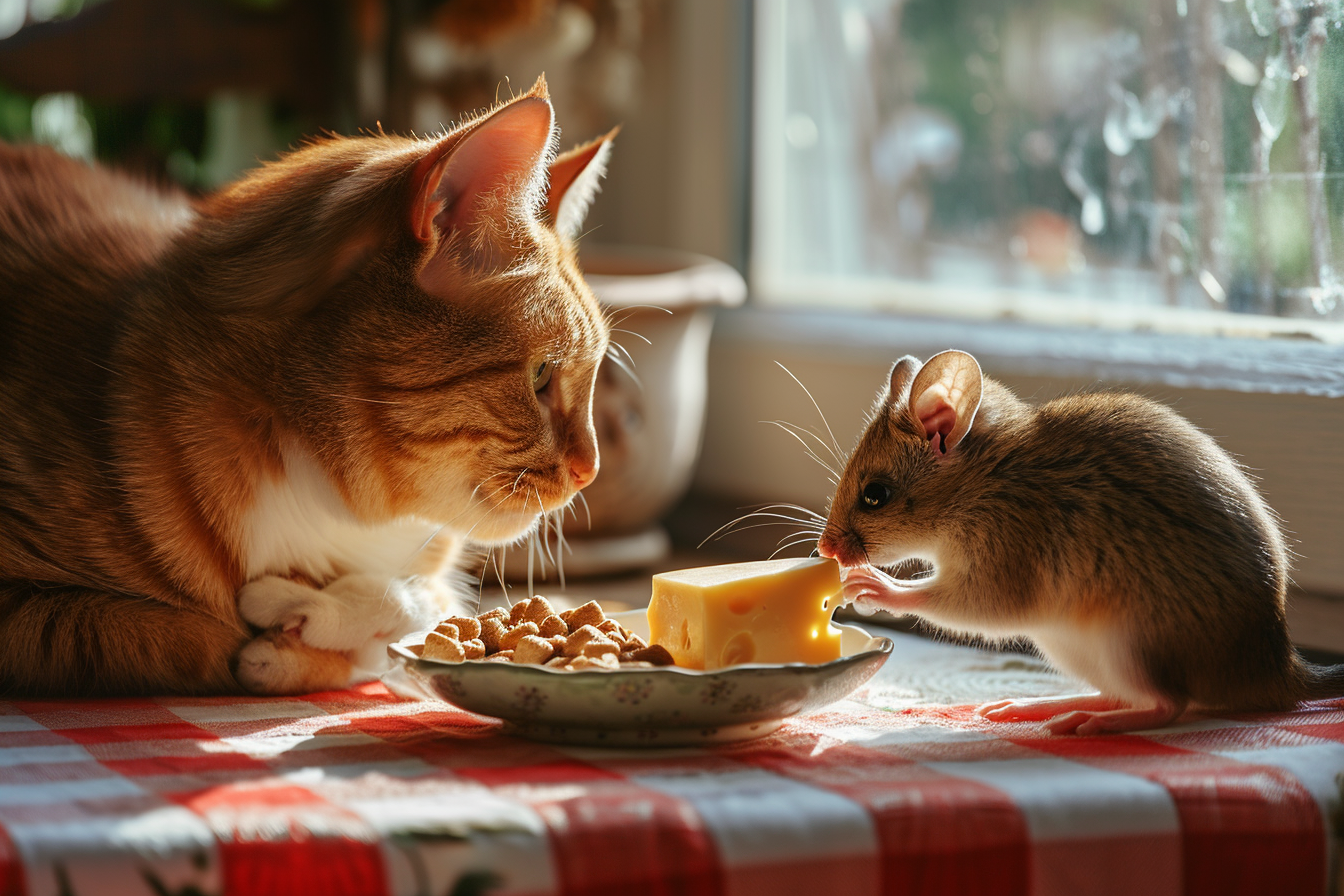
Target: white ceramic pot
x: 649, y: 426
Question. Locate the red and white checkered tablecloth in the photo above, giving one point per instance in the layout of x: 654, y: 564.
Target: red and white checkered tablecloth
x: 362, y: 792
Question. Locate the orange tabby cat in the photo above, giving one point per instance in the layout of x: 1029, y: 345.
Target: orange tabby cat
x: 243, y: 438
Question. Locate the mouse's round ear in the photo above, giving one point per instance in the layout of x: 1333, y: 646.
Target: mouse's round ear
x: 902, y: 373
x: 944, y: 397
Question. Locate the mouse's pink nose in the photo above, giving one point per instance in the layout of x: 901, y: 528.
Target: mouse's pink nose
x: 839, y: 547
x: 583, y: 472
x: 828, y: 545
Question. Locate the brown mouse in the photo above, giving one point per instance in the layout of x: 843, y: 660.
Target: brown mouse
x: 1122, y: 541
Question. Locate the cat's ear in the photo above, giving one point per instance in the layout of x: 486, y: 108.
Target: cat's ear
x: 491, y: 172
x: 576, y: 176
x: 944, y: 397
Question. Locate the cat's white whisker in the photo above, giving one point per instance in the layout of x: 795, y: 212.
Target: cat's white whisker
x: 628, y: 368
x: 499, y: 575
x: 485, y: 567
x: 560, y: 548
x: 545, y: 538
x: 616, y: 351
x: 631, y: 309
x: 647, y: 340
x: 586, y: 510
x: 531, y: 554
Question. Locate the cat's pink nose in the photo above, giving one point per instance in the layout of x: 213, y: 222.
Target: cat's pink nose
x: 583, y: 472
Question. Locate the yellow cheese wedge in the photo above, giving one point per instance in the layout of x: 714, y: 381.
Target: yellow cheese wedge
x: 768, y: 611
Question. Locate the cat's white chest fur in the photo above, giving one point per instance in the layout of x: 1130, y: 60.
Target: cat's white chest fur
x: 299, y: 524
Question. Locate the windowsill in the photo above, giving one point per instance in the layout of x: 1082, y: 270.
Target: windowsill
x: 1274, y: 404
x: 1278, y: 366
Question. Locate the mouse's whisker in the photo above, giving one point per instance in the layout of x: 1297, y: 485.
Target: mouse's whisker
x: 798, y: 507
x: 836, y: 452
x: 791, y: 429
x: 792, y: 544
x: 718, y: 534
x: 783, y: 518
x: 804, y: 534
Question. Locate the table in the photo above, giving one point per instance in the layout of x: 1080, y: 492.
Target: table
x: 900, y: 789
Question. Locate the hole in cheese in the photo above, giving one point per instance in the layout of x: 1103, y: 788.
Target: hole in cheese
x: 741, y: 648
x: 769, y: 611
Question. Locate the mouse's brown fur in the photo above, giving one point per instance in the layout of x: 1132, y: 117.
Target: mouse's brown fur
x: 1101, y: 518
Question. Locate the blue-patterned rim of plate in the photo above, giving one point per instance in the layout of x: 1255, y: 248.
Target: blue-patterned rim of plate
x: 535, y: 698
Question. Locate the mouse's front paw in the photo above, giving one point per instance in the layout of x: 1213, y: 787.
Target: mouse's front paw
x: 869, y: 591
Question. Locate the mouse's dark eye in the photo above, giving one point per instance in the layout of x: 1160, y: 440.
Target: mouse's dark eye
x: 875, y: 494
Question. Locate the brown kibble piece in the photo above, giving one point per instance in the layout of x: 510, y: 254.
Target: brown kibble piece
x: 538, y: 609
x: 609, y: 627
x: 448, y: 630
x: 469, y: 626
x: 633, y: 641
x: 519, y: 612
x: 559, y: 642
x: 587, y: 614
x: 503, y: 656
x: 473, y: 648
x: 553, y: 625
x: 511, y: 638
x: 655, y: 653
x: 579, y: 637
x: 532, y: 649
x: 600, y: 647
x: 492, y: 630
x: 495, y: 613
x: 441, y: 647
x: 557, y: 661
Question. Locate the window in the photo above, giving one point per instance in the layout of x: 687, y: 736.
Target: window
x: 1154, y: 163
x: 883, y: 221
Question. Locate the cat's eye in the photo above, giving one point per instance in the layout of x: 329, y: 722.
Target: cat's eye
x: 875, y: 494
x: 541, y: 376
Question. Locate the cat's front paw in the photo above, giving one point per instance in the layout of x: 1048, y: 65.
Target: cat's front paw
x: 275, y: 602
x: 357, y: 615
x: 278, y: 662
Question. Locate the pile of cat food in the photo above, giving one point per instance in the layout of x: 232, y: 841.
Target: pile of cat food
x: 531, y: 631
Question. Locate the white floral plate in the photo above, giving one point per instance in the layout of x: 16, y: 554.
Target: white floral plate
x: 665, y: 706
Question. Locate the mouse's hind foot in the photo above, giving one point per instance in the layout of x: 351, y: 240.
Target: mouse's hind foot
x: 1083, y: 714
x: 1115, y: 721
x: 1042, y: 709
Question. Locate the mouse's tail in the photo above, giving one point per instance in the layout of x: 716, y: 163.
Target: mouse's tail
x: 1323, y: 682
